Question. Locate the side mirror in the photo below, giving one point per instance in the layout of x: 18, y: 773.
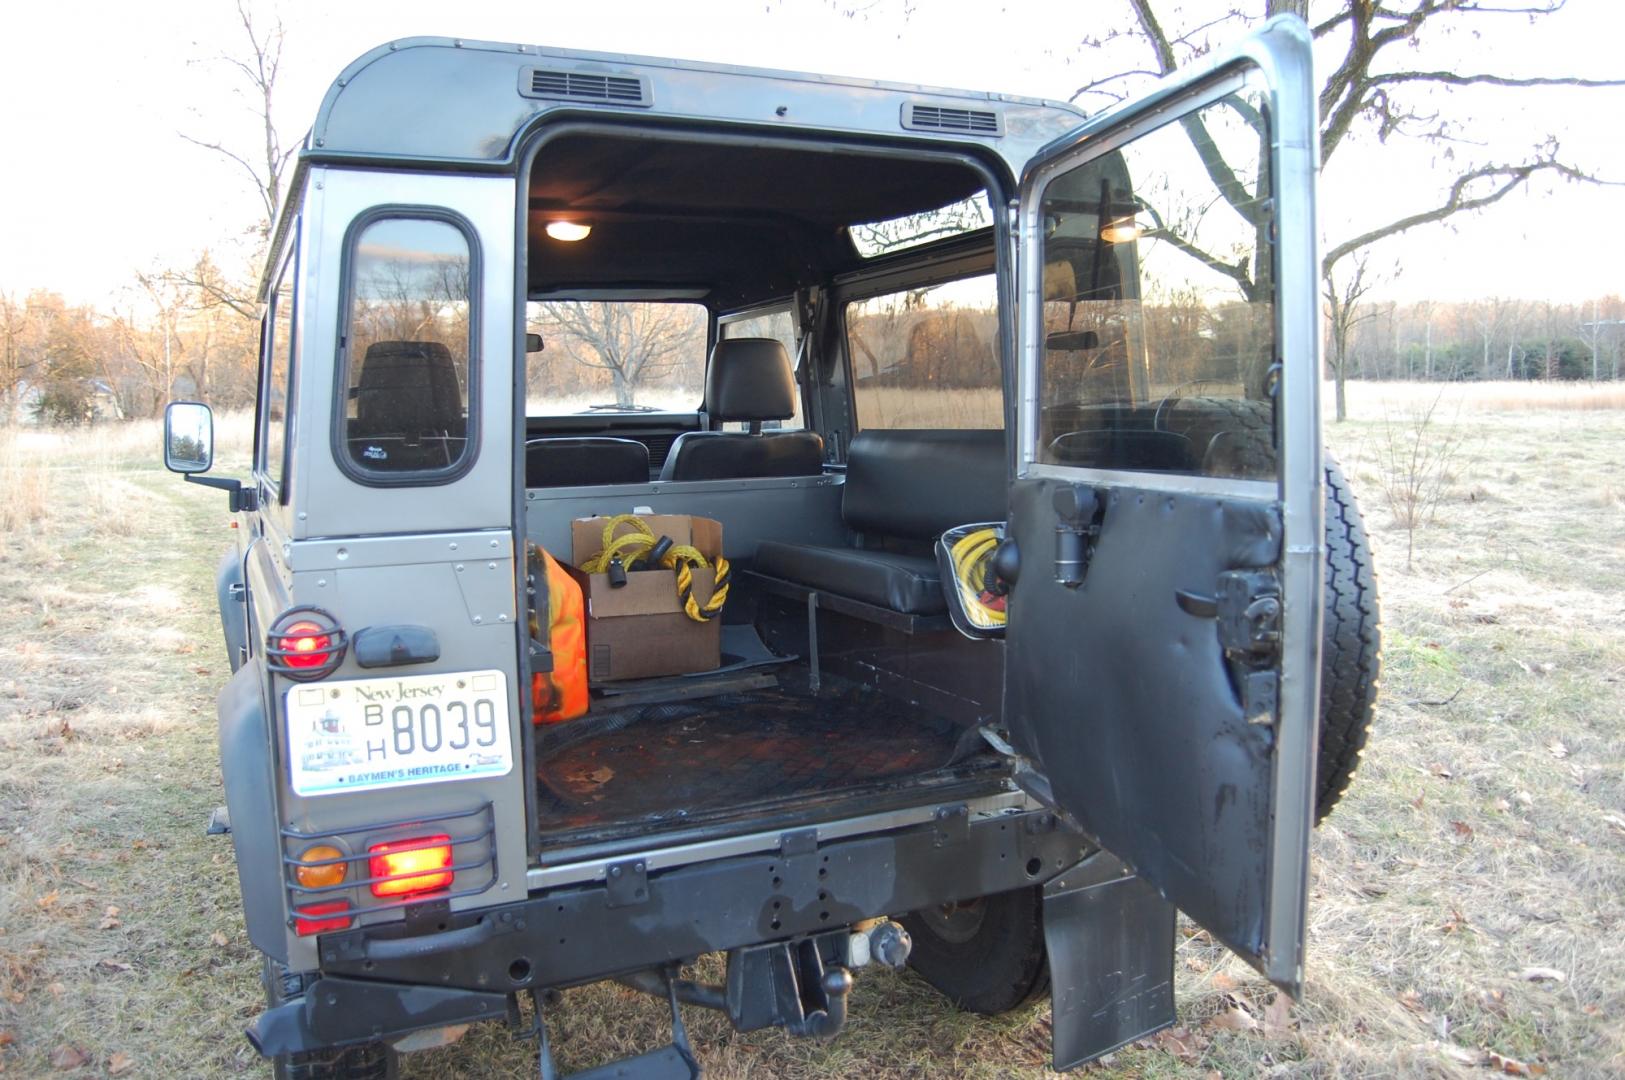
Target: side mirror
x: 188, y: 437
x: 533, y: 343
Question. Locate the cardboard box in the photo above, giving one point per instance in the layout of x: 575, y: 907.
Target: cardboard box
x: 640, y: 630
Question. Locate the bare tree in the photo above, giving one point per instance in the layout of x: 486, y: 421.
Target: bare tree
x: 635, y: 343
x: 1347, y: 308
x: 1365, y: 89
x: 258, y: 68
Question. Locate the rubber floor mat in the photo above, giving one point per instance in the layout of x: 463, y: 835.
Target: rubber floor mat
x: 677, y: 760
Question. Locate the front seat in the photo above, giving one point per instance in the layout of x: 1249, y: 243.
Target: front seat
x: 748, y: 379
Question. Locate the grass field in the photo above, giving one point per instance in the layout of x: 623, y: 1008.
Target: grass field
x: 1466, y: 897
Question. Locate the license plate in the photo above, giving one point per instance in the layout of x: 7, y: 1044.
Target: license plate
x: 364, y: 734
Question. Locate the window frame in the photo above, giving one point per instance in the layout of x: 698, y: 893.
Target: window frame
x: 290, y: 264
x: 341, y: 368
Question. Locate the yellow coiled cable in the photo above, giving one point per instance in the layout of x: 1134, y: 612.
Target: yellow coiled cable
x: 970, y: 554
x: 682, y: 558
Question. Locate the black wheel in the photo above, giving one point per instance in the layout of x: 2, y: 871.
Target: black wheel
x: 985, y: 955
x: 371, y: 1061
x: 1351, y: 644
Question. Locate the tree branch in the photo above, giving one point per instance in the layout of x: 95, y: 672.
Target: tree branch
x: 1451, y: 78
x: 1511, y: 177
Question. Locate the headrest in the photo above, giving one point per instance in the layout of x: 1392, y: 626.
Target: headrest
x: 408, y: 387
x: 750, y: 379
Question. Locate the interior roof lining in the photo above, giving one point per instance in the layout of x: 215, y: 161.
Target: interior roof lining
x: 744, y: 218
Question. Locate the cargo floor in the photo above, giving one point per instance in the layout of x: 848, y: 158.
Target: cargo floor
x: 681, y: 763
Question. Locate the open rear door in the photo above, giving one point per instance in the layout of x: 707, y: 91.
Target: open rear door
x: 1164, y: 626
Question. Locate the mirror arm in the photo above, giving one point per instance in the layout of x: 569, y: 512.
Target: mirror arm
x: 242, y: 498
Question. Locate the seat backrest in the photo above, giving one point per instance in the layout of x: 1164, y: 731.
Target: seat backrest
x: 917, y: 484
x: 748, y: 379
x: 565, y: 462
x: 407, y: 388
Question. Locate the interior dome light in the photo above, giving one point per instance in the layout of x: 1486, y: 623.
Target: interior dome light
x: 568, y: 231
x: 1121, y: 231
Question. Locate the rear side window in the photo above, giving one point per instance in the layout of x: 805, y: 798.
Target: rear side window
x: 275, y: 394
x: 409, y: 371
x: 927, y: 357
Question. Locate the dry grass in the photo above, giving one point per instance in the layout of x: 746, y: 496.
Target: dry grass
x: 1485, y: 836
x: 1367, y: 397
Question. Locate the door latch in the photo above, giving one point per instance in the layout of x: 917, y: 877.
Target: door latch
x: 1247, y: 605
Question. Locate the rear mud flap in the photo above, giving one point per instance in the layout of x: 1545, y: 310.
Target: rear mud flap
x: 1110, y: 940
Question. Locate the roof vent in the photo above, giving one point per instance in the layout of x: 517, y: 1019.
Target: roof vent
x: 918, y: 117
x: 595, y: 87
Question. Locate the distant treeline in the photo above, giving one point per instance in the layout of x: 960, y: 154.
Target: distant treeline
x: 185, y: 335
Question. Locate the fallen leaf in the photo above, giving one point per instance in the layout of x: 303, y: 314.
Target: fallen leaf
x: 1543, y: 974
x: 1462, y: 829
x: 69, y: 1057
x: 1235, y: 1018
x: 1557, y: 749
x: 1413, y: 1001
x: 1181, y: 1042
x: 110, y: 919
x: 1224, y: 982
x: 1416, y: 803
x: 219, y: 939
x: 57, y: 989
x: 7, y: 1038
x: 48, y: 900
x: 1457, y: 921
x: 1502, y: 805
x: 119, y: 1064
x: 1512, y: 1066
x: 1441, y: 770
x: 1523, y: 799
x: 112, y: 966
x: 1278, y: 1016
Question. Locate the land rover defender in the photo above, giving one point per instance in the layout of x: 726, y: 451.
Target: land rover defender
x: 700, y: 509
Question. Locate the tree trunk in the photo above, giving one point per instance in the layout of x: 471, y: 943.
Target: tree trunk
x: 623, y: 389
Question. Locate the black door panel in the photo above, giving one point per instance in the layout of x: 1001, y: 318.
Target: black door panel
x: 1159, y: 764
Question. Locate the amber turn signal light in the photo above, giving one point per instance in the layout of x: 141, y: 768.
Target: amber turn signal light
x: 321, y: 876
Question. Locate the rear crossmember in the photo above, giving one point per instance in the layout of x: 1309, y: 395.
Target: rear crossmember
x: 783, y: 917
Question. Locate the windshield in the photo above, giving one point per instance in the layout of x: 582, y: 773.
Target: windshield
x: 614, y: 356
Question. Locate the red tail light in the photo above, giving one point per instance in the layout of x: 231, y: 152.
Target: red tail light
x: 410, y: 867
x: 320, y: 918
x: 305, y: 644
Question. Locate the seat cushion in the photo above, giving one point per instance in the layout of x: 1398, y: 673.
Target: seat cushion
x: 727, y: 455
x: 906, y: 583
x: 564, y: 462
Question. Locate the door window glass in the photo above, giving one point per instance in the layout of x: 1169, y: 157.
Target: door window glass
x: 779, y: 325
x: 1158, y: 345
x: 407, y: 346
x: 928, y: 357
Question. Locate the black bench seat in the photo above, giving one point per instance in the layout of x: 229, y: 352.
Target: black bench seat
x: 903, y: 489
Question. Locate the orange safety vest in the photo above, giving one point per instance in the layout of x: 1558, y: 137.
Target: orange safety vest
x: 560, y: 694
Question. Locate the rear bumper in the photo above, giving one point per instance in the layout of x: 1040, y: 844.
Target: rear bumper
x: 376, y: 982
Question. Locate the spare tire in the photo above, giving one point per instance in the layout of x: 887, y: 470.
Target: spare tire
x: 1350, y: 646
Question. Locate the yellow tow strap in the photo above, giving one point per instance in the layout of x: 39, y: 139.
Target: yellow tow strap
x: 970, y: 554
x: 682, y: 558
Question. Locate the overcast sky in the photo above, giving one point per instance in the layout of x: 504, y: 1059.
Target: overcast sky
x: 97, y: 182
